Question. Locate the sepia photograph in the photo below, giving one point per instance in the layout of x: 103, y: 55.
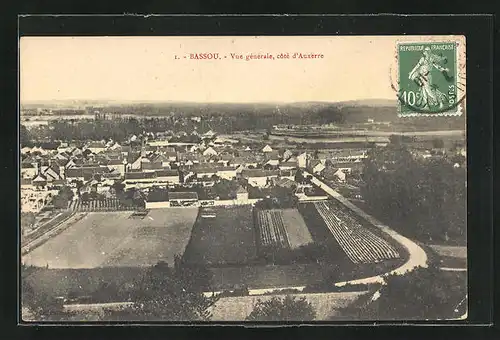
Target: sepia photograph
x: 242, y: 178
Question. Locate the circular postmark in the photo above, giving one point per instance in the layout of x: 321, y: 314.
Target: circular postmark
x: 428, y: 77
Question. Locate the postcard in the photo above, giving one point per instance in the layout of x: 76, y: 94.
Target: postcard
x: 243, y: 178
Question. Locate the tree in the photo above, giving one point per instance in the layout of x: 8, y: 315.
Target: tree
x: 437, y: 143
x: 286, y: 309
x: 425, y: 293
x: 38, y: 302
x: 165, y: 294
x: 119, y: 187
x: 299, y: 176
x: 79, y: 185
x: 25, y: 138
x: 423, y: 199
x: 226, y: 189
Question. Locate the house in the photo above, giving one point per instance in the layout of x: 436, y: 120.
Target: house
x: 149, y: 179
x: 39, y: 150
x: 225, y: 141
x: 241, y: 194
x: 224, y: 159
x: 28, y: 170
x: 287, y: 155
x: 208, y: 135
x: 76, y: 152
x: 162, y: 159
x: 267, y: 148
x: 289, y: 165
x: 61, y: 156
x: 134, y: 161
x: 85, y: 173
x: 343, y: 155
x: 261, y: 178
x: 284, y: 182
x: 26, y: 184
x: 169, y: 153
x: 183, y: 199
x: 226, y: 172
x: 210, y: 152
x: 204, y: 170
x: 39, y: 181
x: 115, y: 147
x: 316, y: 166
x: 96, y: 147
x: 190, y: 159
x: 151, y: 166
x: 118, y: 165
x: 52, y: 173
x: 302, y: 160
x: 25, y: 150
x: 157, y: 199
x: 159, y: 142
x: 193, y: 148
x: 70, y: 164
x: 272, y: 164
x: 168, y: 176
x: 272, y: 155
x: 340, y: 174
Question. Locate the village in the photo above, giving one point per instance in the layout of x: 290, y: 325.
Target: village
x: 156, y: 161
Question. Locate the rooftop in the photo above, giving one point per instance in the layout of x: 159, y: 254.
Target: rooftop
x: 182, y: 196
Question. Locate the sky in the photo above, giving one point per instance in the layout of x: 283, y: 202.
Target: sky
x: 145, y: 68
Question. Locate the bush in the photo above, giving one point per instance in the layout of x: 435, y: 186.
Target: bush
x: 286, y: 309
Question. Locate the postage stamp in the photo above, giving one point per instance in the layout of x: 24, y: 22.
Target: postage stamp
x: 430, y: 78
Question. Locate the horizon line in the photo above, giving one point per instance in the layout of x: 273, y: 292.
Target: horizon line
x: 34, y: 101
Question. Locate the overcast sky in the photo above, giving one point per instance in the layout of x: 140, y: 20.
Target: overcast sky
x: 144, y: 68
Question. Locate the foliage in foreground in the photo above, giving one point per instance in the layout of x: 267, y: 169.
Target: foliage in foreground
x: 163, y: 293
x: 425, y: 293
x: 423, y: 198
x: 282, y: 309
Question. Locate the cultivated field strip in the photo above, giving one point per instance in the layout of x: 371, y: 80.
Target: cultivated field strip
x: 272, y: 228
x: 359, y: 244
x: 108, y: 204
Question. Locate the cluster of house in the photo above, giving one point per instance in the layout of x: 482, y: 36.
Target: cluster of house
x: 159, y: 162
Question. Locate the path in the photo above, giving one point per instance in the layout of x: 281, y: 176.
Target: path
x: 70, y: 220
x: 417, y: 256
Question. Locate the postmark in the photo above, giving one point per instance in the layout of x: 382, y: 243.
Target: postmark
x: 430, y: 78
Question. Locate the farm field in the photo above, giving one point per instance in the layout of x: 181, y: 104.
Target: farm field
x: 359, y: 244
x: 83, y: 281
x: 260, y: 276
x: 228, y: 238
x: 283, y: 228
x: 114, y: 239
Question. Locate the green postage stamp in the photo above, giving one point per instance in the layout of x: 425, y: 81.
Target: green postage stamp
x: 431, y: 78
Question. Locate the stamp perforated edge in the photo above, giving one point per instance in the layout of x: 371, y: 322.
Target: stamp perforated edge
x: 461, y: 74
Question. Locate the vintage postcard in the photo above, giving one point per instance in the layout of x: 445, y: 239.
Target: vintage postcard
x: 243, y: 178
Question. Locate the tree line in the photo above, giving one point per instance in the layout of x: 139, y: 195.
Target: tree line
x: 423, y: 198
x: 122, y: 128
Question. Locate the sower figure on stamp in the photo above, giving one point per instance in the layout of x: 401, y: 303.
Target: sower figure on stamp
x: 421, y: 74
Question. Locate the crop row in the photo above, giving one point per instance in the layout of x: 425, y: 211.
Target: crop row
x: 108, y: 204
x: 359, y: 244
x: 272, y: 229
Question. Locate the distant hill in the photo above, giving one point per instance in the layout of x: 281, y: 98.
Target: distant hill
x: 369, y: 103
